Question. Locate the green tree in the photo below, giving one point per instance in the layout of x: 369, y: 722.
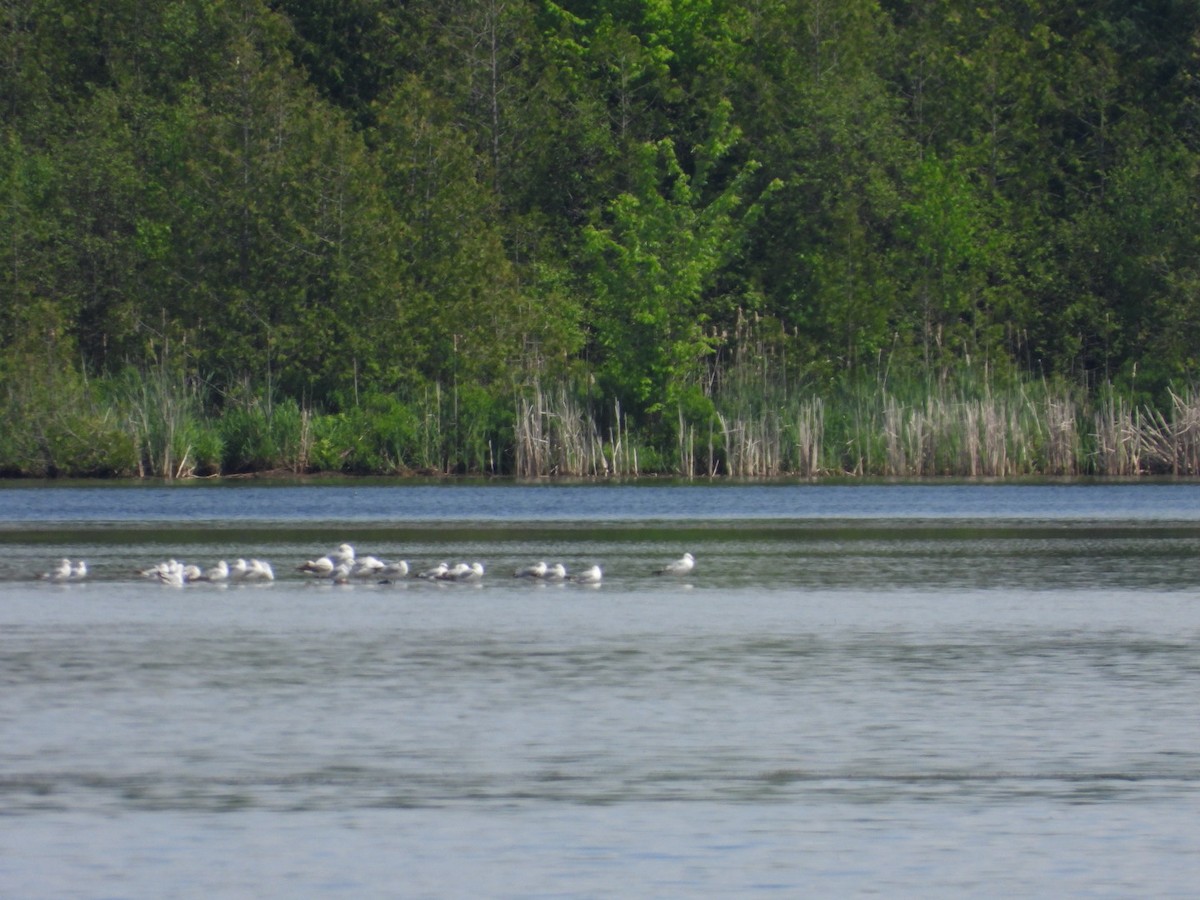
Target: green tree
x: 652, y: 261
x: 458, y: 301
x: 818, y: 109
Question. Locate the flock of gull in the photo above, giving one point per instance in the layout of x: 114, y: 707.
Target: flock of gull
x: 344, y: 566
x: 68, y: 571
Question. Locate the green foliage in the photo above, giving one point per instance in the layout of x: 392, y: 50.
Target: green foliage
x: 55, y: 426
x: 403, y: 215
x: 88, y: 448
x: 164, y: 414
x: 381, y: 435
x: 483, y: 429
x: 246, y: 440
x: 255, y: 435
x: 206, y: 447
x: 652, y: 265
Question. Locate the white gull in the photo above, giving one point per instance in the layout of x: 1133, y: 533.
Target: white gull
x: 589, y: 576
x: 217, y: 573
x: 400, y: 568
x: 326, y: 564
x: 60, y: 573
x: 681, y: 566
x: 437, y: 572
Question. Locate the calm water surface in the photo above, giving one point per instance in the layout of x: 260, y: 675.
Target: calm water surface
x: 909, y: 690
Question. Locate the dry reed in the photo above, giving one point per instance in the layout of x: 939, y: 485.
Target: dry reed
x: 553, y: 435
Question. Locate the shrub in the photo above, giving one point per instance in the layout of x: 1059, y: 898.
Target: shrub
x: 248, y: 443
x: 90, y: 448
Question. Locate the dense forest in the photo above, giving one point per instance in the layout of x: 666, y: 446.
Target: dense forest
x: 536, y: 237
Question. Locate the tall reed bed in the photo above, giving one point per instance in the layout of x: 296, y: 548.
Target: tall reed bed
x: 164, y: 416
x: 972, y: 429
x: 1133, y: 440
x: 555, y: 434
x: 747, y: 419
x: 969, y: 422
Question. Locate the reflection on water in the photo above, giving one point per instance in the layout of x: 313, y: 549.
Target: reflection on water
x: 830, y: 708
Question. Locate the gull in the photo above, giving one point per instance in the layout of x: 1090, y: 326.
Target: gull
x: 474, y: 572
x: 61, y: 573
x: 462, y: 572
x: 259, y: 570
x: 239, y: 571
x: 589, y: 576
x: 172, y: 576
x: 556, y: 572
x: 219, y: 572
x: 158, y: 569
x: 322, y: 566
x: 437, y: 572
x: 368, y: 566
x: 192, y: 573
x: 681, y: 566
x: 399, y: 568
x: 456, y: 573
x: 537, y: 570
x: 342, y: 572
x: 79, y: 571
x: 326, y: 564
x: 170, y: 572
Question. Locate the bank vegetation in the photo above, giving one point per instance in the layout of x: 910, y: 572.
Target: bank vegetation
x: 566, y: 237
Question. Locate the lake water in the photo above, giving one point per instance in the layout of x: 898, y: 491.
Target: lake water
x: 912, y: 690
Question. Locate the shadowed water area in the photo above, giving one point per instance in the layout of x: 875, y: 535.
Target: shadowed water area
x: 933, y: 690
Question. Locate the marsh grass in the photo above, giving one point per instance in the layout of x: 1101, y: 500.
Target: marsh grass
x: 1132, y: 440
x: 974, y: 425
x: 747, y: 419
x: 556, y: 435
x: 164, y: 415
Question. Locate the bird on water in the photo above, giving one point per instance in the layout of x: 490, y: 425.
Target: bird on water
x: 681, y: 566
